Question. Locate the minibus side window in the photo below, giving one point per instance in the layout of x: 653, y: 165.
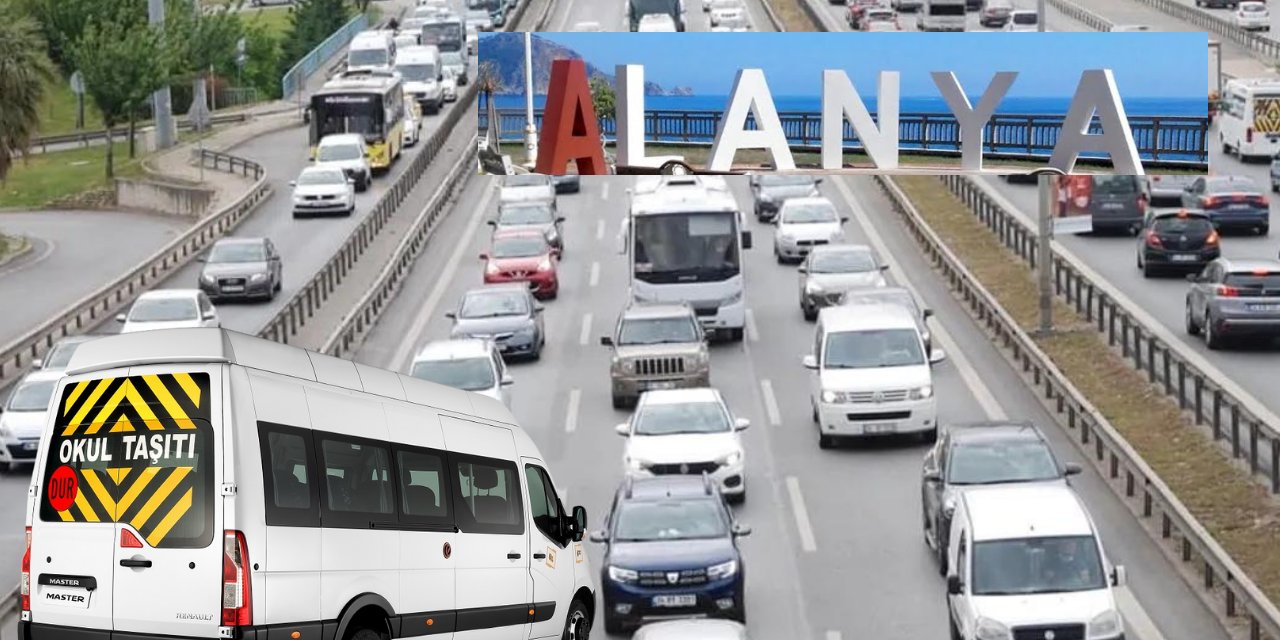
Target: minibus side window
x: 424, y: 489
x: 357, y: 482
x: 289, y: 478
x: 544, y: 505
x: 486, y: 495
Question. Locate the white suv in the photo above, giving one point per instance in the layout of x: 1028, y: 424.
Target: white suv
x: 346, y: 151
x: 1027, y: 561
x: 871, y: 374
x: 687, y: 431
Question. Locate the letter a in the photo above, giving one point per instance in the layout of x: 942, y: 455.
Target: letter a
x: 1097, y: 93
x: 570, y: 130
x: 750, y: 93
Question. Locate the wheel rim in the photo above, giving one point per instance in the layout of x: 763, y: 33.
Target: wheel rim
x: 577, y: 626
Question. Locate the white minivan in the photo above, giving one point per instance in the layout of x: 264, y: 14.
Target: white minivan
x: 203, y: 483
x: 1027, y: 562
x: 871, y: 374
x: 942, y: 15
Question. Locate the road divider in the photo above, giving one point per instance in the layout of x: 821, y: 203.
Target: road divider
x: 1129, y: 476
x: 1258, y: 44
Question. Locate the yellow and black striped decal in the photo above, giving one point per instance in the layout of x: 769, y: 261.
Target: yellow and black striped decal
x: 1266, y: 115
x: 137, y: 450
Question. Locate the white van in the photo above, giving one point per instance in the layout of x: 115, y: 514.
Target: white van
x: 203, y: 483
x: 1249, y: 118
x: 374, y: 50
x: 421, y: 70
x: 871, y: 374
x: 941, y: 15
x: 1027, y: 561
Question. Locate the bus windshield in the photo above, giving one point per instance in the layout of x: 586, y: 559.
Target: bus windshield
x: 445, y: 35
x: 348, y: 113
x: 366, y: 58
x: 685, y: 247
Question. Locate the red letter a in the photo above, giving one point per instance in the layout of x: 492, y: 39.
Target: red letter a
x: 570, y: 130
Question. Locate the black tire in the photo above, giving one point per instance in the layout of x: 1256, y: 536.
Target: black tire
x: 577, y: 625
x: 824, y: 441
x: 613, y: 626
x: 1264, y: 230
x: 619, y: 402
x: 1211, y: 338
x: 365, y: 633
x: 735, y: 335
x: 1192, y: 328
x: 1147, y: 270
x: 940, y: 553
x: 810, y: 313
x: 930, y: 436
x: 955, y: 633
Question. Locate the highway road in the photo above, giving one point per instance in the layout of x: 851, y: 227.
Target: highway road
x: 836, y: 550
x: 611, y: 15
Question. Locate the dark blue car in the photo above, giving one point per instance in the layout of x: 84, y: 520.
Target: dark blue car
x: 671, y: 551
x: 1232, y: 202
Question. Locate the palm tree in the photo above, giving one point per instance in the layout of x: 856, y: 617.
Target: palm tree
x: 24, y: 71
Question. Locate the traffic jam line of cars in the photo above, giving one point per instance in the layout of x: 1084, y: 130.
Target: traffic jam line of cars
x: 938, y: 15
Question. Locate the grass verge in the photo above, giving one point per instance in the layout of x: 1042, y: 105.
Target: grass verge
x: 274, y: 19
x: 792, y: 15
x: 39, y: 179
x: 58, y: 110
x: 1239, y: 513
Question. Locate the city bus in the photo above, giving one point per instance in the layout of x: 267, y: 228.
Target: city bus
x: 448, y: 32
x: 367, y: 102
x: 685, y: 240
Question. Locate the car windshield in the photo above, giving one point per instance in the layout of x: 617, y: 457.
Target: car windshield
x: 785, y: 181
x: 530, y: 214
x: 519, y: 247
x: 998, y: 462
x: 32, y: 396
x: 662, y: 419
x: 332, y: 152
x: 808, y: 213
x: 163, y: 310
x: 525, y: 180
x: 61, y: 355
x: 1025, y: 18
x: 366, y: 57
x: 658, y: 331
x: 1115, y: 184
x: 1253, y: 8
x: 424, y: 72
x: 842, y: 262
x: 451, y: 57
x: 873, y: 348
x: 1195, y: 225
x: 491, y: 305
x: 878, y: 296
x: 670, y: 520
x: 1232, y: 184
x: 469, y: 374
x: 238, y: 252
x: 1270, y: 281
x: 322, y: 176
x: 1036, y: 565
x: 480, y: 17
x: 881, y: 16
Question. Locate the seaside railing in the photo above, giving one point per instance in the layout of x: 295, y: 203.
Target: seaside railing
x: 1172, y: 140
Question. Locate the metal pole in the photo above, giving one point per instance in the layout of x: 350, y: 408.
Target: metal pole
x: 161, y: 102
x: 1041, y: 17
x: 1044, y: 261
x: 530, y: 132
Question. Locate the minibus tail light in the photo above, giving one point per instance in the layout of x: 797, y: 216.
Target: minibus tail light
x: 26, y: 575
x: 237, y: 596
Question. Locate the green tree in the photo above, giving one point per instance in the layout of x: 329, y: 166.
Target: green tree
x: 262, y: 60
x: 200, y: 42
x: 311, y: 21
x: 24, y: 72
x: 122, y: 66
x: 65, y: 21
x: 602, y: 96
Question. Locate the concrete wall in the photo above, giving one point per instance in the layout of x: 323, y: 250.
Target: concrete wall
x: 170, y: 199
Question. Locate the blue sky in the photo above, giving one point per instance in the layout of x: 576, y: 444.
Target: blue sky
x: 1151, y: 64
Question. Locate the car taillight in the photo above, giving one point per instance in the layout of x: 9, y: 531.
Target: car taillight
x: 1210, y: 202
x: 1248, y: 134
x: 1142, y: 204
x: 1212, y: 239
x: 26, y: 575
x: 1228, y: 292
x: 237, y: 596
x: 1153, y: 240
x: 1259, y: 201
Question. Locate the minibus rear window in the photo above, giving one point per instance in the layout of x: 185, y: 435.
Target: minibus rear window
x: 136, y: 450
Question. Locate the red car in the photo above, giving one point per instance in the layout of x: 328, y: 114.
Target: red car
x: 523, y: 256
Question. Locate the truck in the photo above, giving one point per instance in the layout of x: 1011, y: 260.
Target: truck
x: 637, y: 9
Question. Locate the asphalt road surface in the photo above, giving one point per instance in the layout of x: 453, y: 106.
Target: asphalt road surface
x: 837, y: 550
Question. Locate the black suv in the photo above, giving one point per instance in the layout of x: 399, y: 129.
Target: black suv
x: 671, y: 549
x: 1181, y: 239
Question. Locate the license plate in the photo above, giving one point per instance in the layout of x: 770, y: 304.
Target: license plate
x: 683, y: 600
x: 880, y: 427
x: 1264, y: 307
x: 659, y: 385
x: 1241, y: 205
x: 62, y: 597
x: 233, y: 289
x: 1113, y: 205
x: 30, y: 446
x: 1184, y: 257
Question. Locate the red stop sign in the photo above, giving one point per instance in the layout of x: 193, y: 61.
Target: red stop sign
x: 62, y: 488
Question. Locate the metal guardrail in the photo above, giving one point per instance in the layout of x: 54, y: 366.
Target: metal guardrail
x: 1251, y: 430
x: 233, y: 164
x: 296, y: 77
x: 1176, y: 139
x: 1143, y: 491
x: 16, y: 357
x: 235, y: 97
x: 1254, y: 42
x: 85, y: 137
x: 1082, y: 15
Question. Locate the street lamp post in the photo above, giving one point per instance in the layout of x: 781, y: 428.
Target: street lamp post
x: 530, y: 132
x: 1041, y: 18
x: 161, y: 101
x: 1044, y: 251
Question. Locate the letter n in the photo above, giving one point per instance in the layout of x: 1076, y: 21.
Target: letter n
x: 570, y: 130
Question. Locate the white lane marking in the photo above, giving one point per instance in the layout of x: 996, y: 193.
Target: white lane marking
x: 595, y: 274
x: 571, y: 410
x: 981, y: 392
x: 771, y: 403
x: 833, y: 635
x: 1136, y: 621
x: 753, y: 334
x: 585, y: 334
x: 401, y: 360
x: 600, y: 229
x: 802, y: 515
x: 604, y: 191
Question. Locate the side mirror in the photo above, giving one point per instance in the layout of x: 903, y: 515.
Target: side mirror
x: 537, y: 308
x: 936, y: 356
x: 507, y: 380
x: 451, y: 315
x: 932, y: 476
x: 555, y: 252
x: 802, y: 269
x: 202, y: 259
x: 559, y: 219
x: 579, y: 522
x: 844, y: 219
x: 817, y: 180
x: 884, y: 267
x: 741, y: 424
x: 209, y: 316
x: 293, y: 183
x: 484, y: 256
x: 351, y: 181
x: 598, y: 536
x: 741, y: 530
x: 492, y: 223
x: 606, y: 341
x: 810, y: 362
x: 746, y: 239
x: 928, y: 313
x: 120, y: 317
x: 954, y: 586
x: 1072, y: 469
x: 623, y: 429
x: 440, y: 78
x: 1119, y: 577
x: 35, y: 364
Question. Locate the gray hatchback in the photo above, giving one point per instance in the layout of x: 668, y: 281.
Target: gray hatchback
x: 1234, y: 298
x: 506, y: 314
x: 241, y: 268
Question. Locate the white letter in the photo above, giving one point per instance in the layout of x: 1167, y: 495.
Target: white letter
x: 77, y: 451
x: 1097, y: 93
x: 106, y: 451
x: 750, y: 93
x: 972, y: 121
x: 64, y: 451
x: 629, y: 115
x: 840, y: 100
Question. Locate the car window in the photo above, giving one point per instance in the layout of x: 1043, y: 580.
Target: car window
x: 321, y: 176
x: 1115, y: 185
x: 61, y: 355
x: 289, y: 484
x: 544, y: 506
x: 338, y: 152
x: 1000, y: 462
x: 238, y: 252
x: 468, y: 374
x: 492, y: 305
x: 516, y: 214
x: 1254, y: 281
x: 163, y: 310
x: 1233, y: 183
x: 487, y: 496
x: 639, y: 521
x: 1189, y: 225
x: 640, y: 331
x: 32, y: 396
x: 357, y: 476
x: 519, y: 247
x: 423, y: 494
x: 1037, y: 566
x: 658, y: 419
x: 842, y: 262
x: 873, y: 348
x: 808, y: 213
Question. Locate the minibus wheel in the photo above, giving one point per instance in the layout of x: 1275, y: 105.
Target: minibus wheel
x: 577, y: 625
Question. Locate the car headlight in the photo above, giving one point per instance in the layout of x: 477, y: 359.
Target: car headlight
x: 949, y: 506
x: 702, y: 359
x: 4, y: 431
x: 829, y: 396
x: 785, y: 237
x: 988, y: 629
x: 732, y: 458
x: 722, y: 570
x: 545, y: 265
x: 618, y: 574
x: 812, y: 287
x: 207, y: 278
x: 257, y: 277
x: 635, y: 464
x: 1105, y: 625
x: 552, y: 234
x: 732, y: 298
x: 766, y: 198
x: 922, y: 393
x: 297, y: 198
